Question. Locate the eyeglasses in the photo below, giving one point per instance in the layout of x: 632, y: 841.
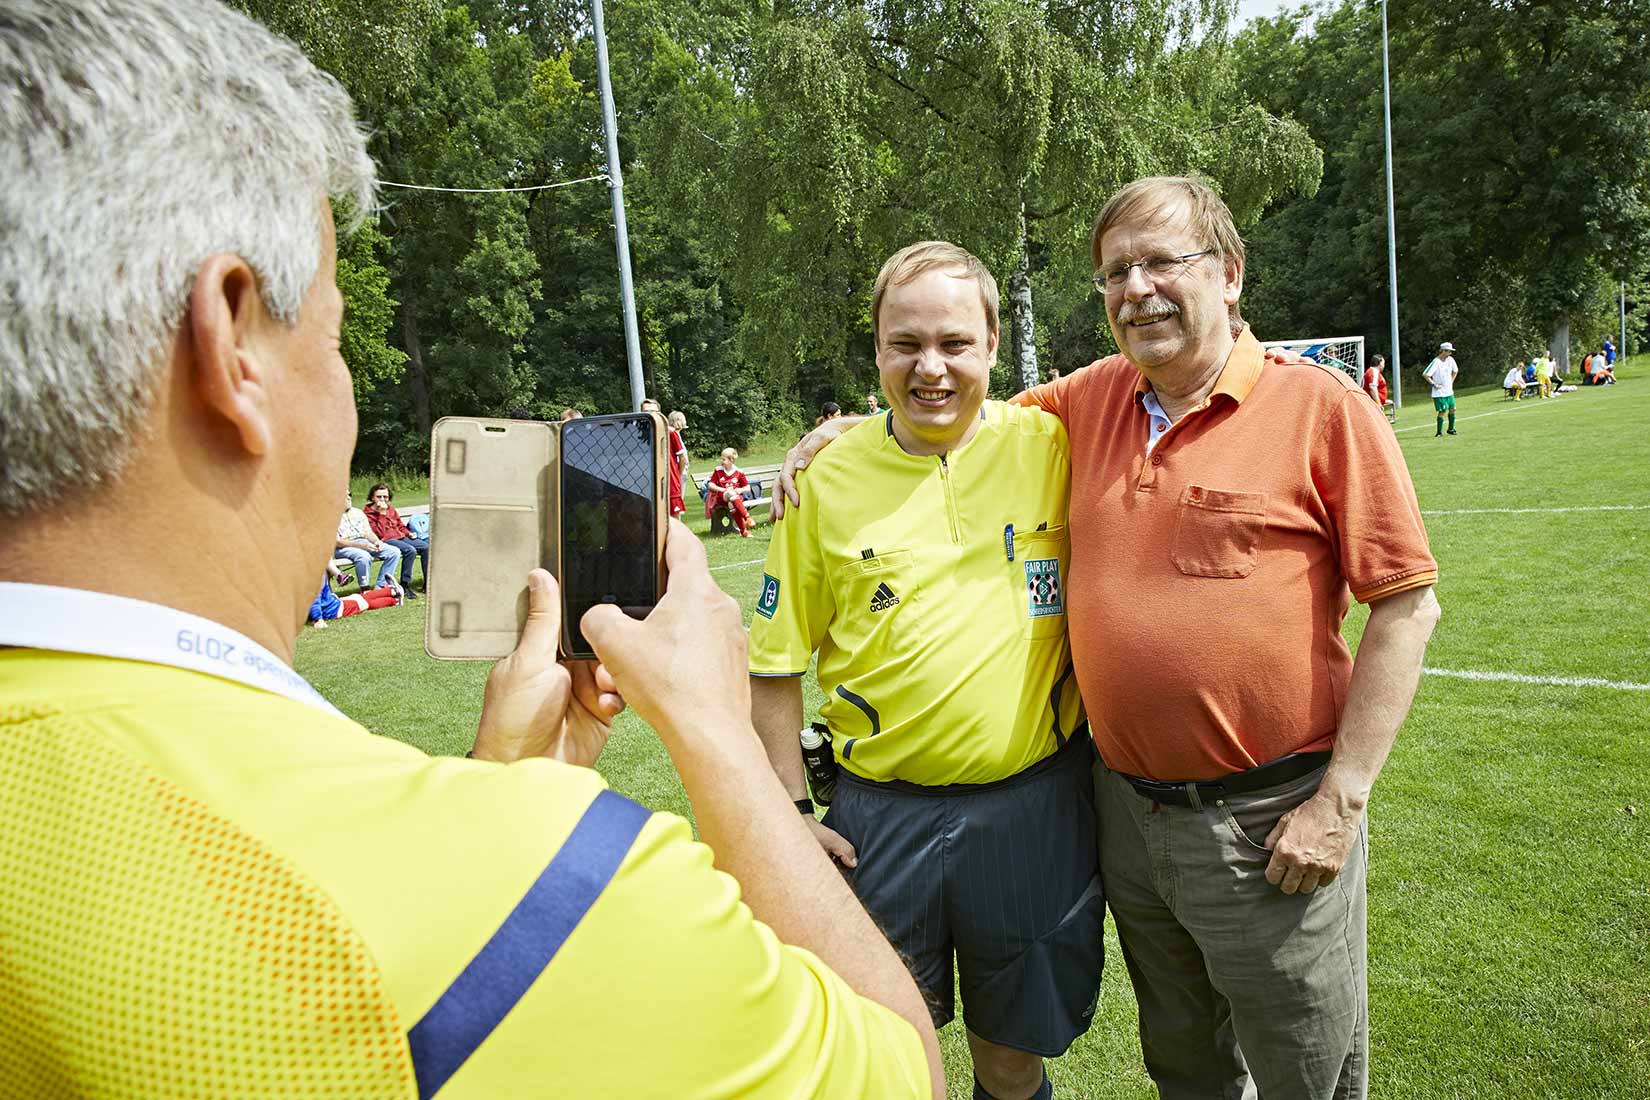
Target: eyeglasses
x: 1162, y: 269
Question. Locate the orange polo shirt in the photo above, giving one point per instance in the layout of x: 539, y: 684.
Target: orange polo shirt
x: 1210, y: 578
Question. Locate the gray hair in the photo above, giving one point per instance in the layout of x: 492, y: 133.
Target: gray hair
x: 138, y: 138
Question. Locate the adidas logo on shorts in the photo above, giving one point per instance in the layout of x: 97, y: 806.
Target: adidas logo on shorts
x: 883, y: 598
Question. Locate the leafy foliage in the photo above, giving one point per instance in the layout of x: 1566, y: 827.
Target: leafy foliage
x: 1521, y: 136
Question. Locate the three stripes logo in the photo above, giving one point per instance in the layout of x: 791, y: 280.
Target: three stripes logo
x: 883, y: 598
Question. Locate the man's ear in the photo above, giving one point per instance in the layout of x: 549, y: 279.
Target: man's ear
x: 225, y: 313
x: 1232, y: 286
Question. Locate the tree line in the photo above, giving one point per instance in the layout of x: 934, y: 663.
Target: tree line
x: 775, y: 151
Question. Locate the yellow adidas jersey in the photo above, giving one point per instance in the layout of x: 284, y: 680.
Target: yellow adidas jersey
x: 209, y: 890
x: 933, y: 589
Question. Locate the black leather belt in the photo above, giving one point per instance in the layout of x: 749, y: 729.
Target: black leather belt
x: 1195, y: 793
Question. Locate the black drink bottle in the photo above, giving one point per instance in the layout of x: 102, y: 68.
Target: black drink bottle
x: 819, y: 762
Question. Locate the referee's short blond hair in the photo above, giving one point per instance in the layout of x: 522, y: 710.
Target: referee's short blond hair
x: 924, y: 256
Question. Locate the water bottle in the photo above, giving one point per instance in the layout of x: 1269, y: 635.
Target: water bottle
x: 819, y: 762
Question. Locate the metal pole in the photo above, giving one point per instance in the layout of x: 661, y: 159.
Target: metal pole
x: 1621, y: 353
x: 621, y: 233
x: 1391, y: 224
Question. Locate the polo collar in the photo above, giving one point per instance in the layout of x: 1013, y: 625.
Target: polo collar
x: 1237, y: 379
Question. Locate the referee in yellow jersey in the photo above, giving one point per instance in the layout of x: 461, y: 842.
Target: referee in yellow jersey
x: 927, y: 567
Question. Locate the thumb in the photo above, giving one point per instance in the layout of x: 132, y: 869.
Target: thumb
x: 1277, y: 831
x: 611, y: 634
x: 541, y: 633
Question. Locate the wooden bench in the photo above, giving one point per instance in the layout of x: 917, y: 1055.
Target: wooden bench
x: 1531, y: 389
x: 763, y: 481
x: 347, y: 567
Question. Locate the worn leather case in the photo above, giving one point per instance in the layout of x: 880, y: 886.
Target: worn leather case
x: 493, y: 518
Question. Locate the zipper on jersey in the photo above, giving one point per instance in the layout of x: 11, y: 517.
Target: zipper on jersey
x: 950, y: 500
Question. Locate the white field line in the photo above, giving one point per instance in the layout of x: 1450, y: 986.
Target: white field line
x: 1526, y: 511
x: 737, y: 564
x: 1550, y: 681
x: 1516, y: 407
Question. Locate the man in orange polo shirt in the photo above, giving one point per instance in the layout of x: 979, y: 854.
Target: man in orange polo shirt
x: 1224, y: 510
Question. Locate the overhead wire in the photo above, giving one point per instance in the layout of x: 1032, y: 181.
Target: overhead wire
x: 492, y: 190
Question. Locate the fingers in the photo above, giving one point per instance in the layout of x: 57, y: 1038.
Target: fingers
x: 608, y: 630
x: 604, y: 704
x: 683, y: 553
x: 835, y: 845
x: 794, y: 461
x: 542, y: 631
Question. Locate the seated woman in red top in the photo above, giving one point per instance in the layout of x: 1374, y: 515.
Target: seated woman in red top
x: 726, y: 490
x: 388, y: 526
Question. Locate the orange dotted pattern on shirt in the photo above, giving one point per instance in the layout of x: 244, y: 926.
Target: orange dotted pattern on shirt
x: 151, y: 948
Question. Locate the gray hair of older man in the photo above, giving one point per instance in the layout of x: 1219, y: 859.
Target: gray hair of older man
x: 138, y: 138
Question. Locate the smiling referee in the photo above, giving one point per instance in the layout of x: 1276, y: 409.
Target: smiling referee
x: 927, y: 568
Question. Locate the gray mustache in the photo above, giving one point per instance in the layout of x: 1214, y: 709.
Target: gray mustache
x: 1150, y: 309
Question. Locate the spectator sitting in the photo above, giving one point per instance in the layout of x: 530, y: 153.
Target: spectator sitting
x: 329, y: 605
x: 388, y: 525
x: 570, y: 413
x: 1514, y: 384
x: 1604, y: 367
x: 358, y: 545
x: 725, y: 490
x: 1529, y: 372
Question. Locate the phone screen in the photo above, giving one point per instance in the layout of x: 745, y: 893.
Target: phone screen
x: 609, y: 523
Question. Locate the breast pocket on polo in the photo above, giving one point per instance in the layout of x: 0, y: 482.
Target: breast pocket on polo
x: 1042, y: 560
x: 1218, y: 532
x: 875, y: 597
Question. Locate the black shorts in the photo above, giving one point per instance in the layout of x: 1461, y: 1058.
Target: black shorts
x: 1004, y: 875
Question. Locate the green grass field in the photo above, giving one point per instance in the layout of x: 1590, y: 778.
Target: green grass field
x: 1510, y: 833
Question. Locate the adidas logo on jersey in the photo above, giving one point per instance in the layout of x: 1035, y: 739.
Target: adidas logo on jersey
x: 883, y: 598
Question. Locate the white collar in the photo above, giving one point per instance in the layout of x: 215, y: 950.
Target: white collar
x: 74, y: 620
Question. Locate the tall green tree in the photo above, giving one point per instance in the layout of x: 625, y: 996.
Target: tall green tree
x: 1000, y: 125
x: 1521, y: 134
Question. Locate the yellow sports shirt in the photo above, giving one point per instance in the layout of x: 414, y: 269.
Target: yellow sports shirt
x: 210, y: 890
x: 933, y: 589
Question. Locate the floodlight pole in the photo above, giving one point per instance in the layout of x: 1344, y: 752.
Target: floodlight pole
x: 621, y: 233
x: 1391, y: 225
x: 1623, y: 300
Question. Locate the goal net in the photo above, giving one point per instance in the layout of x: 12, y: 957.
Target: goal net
x: 1344, y: 353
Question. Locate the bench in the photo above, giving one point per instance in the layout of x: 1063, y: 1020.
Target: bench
x: 347, y: 567
x: 1531, y: 389
x: 760, y: 491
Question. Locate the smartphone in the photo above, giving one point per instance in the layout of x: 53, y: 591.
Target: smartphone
x: 503, y: 501
x: 612, y: 519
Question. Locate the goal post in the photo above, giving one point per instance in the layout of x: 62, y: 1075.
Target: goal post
x: 1344, y: 353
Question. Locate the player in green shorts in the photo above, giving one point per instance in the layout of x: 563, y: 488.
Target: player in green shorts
x: 1441, y: 374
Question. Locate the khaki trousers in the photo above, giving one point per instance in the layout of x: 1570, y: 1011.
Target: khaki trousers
x: 1244, y: 991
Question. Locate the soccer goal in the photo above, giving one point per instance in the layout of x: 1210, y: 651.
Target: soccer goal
x: 1344, y: 353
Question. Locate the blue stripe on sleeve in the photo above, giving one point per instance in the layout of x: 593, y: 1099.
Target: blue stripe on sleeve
x: 500, y: 975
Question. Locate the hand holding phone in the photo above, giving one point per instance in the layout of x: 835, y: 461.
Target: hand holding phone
x: 535, y: 706
x: 683, y: 668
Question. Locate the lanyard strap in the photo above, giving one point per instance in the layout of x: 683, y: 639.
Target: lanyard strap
x: 73, y: 620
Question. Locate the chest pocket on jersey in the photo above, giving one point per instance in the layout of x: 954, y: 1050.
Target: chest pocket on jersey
x: 1038, y: 573
x: 875, y: 599
x: 1217, y: 533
